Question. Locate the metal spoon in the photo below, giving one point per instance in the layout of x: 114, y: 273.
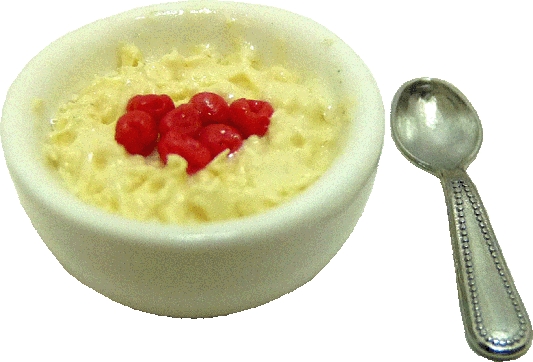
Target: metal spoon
x: 437, y: 129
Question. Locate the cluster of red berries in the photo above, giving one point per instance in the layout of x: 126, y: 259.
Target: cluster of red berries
x: 197, y: 131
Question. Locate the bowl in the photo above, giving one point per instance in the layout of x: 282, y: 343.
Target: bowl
x: 208, y: 269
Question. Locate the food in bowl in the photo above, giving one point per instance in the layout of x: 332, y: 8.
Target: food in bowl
x: 90, y: 148
x: 211, y: 268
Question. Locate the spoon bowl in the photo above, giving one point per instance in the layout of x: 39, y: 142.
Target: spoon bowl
x: 422, y: 129
x: 436, y: 128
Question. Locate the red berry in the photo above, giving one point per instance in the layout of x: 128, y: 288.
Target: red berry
x: 137, y: 132
x: 185, y: 119
x: 195, y: 153
x: 197, y: 131
x: 250, y: 117
x: 218, y: 137
x: 155, y: 105
x: 261, y: 107
x: 213, y: 108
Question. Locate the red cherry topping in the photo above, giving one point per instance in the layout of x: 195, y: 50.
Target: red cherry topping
x: 137, y: 132
x: 218, y: 137
x: 155, y: 105
x: 250, y: 117
x: 185, y: 118
x: 261, y: 107
x: 197, y: 131
x: 213, y: 108
x: 195, y: 153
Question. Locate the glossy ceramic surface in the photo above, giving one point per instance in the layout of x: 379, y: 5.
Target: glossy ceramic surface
x: 212, y: 269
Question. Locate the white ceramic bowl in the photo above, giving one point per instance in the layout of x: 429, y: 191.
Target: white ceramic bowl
x: 210, y: 269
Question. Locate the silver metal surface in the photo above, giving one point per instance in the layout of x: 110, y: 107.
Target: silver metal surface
x: 437, y: 129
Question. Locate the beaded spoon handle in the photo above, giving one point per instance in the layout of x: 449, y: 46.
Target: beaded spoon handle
x: 437, y: 129
x: 496, y: 322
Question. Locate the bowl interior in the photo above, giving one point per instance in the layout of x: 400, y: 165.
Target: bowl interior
x: 278, y: 36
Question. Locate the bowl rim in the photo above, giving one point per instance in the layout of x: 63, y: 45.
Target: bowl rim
x: 326, y: 197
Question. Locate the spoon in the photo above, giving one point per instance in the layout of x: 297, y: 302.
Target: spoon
x: 437, y: 129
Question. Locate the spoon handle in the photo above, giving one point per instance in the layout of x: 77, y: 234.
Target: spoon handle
x: 496, y: 323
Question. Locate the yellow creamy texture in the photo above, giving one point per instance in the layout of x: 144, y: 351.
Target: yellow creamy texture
x: 266, y: 171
